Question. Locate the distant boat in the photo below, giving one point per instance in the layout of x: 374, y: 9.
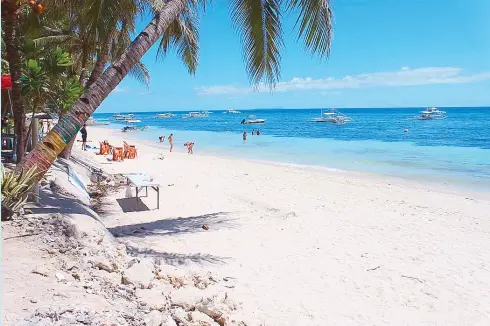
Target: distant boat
x: 133, y: 128
x: 232, y: 111
x: 132, y: 121
x: 123, y: 117
x: 251, y: 119
x: 432, y: 114
x: 165, y: 115
x: 333, y: 116
x: 92, y: 122
x: 195, y: 115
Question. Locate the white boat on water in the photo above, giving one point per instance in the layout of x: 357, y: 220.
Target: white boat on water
x: 432, y: 114
x: 132, y: 121
x: 92, y: 122
x: 130, y: 128
x: 195, y: 115
x: 333, y: 116
x: 123, y: 117
x: 232, y: 111
x: 165, y: 115
x: 251, y: 119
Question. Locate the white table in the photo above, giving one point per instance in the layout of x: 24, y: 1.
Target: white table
x: 140, y: 181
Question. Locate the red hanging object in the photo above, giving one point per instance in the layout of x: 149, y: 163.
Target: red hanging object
x: 6, y: 81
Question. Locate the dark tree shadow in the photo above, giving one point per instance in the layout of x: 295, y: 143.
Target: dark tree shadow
x: 175, y: 226
x: 133, y: 204
x: 58, y: 203
x: 175, y: 259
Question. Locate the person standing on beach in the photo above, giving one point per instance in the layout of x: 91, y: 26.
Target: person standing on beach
x: 258, y: 132
x: 83, y: 131
x: 244, y: 135
x: 253, y: 131
x: 171, y: 141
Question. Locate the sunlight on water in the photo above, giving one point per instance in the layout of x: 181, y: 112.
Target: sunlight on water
x: 454, y: 151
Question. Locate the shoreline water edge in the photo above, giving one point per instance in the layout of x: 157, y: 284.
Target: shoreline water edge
x: 427, y: 152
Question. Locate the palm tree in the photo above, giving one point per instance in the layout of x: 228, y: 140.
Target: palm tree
x: 259, y: 22
x: 11, y: 11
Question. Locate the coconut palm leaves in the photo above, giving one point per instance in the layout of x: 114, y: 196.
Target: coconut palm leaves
x: 258, y: 22
x: 259, y: 25
x: 315, y: 24
x: 183, y: 36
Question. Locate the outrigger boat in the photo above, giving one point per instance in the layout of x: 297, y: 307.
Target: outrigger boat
x: 123, y: 117
x: 232, y: 111
x: 165, y: 115
x: 133, y: 128
x: 195, y: 115
x: 333, y: 116
x: 432, y: 114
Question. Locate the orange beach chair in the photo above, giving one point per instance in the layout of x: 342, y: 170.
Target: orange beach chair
x: 130, y: 151
x: 105, y: 148
x: 117, y: 154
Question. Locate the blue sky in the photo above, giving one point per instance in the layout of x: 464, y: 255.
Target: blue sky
x: 385, y: 53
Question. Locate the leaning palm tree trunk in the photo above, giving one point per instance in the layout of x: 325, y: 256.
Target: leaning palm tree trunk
x: 45, y: 153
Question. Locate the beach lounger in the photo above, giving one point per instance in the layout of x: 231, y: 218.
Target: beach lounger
x: 130, y: 151
x: 117, y: 154
x: 140, y: 181
x: 105, y: 148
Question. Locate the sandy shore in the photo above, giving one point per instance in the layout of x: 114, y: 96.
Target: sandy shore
x: 312, y: 247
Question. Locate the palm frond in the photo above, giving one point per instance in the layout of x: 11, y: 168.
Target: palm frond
x: 47, y: 41
x: 259, y: 25
x: 314, y: 24
x: 140, y: 73
x: 183, y: 35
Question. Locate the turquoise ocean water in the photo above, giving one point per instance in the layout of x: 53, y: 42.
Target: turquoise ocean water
x: 453, y: 151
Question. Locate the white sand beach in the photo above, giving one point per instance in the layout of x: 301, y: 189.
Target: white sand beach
x: 304, y: 246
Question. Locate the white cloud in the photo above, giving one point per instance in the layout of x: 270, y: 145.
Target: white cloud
x: 119, y: 89
x: 403, y: 77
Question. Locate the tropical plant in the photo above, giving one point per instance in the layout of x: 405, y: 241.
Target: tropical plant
x: 260, y: 24
x: 15, y: 187
x: 69, y: 91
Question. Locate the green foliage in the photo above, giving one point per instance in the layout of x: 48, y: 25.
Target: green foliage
x: 35, y: 81
x: 48, y: 81
x: 15, y: 188
x: 69, y: 91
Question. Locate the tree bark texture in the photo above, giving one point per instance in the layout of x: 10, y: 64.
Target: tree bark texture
x: 11, y: 16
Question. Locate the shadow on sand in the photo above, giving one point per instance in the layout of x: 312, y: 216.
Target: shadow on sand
x: 175, y: 259
x: 132, y: 205
x: 58, y: 203
x: 174, y: 226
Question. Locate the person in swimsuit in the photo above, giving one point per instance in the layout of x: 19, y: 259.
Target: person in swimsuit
x: 190, y: 146
x: 244, y: 135
x: 258, y: 132
x: 83, y: 131
x: 253, y: 132
x: 171, y: 141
